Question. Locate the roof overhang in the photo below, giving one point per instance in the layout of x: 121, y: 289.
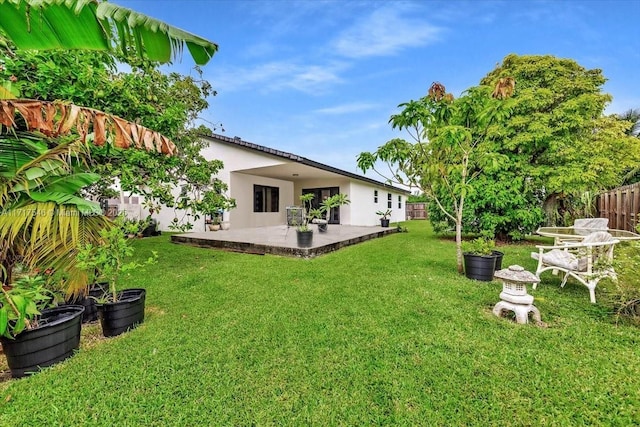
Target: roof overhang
x: 294, y: 167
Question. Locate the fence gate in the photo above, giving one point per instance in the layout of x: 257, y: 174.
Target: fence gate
x: 416, y: 210
x: 621, y: 205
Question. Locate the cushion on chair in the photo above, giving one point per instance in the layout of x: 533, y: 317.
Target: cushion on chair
x: 592, y: 223
x: 562, y: 259
x: 598, y: 237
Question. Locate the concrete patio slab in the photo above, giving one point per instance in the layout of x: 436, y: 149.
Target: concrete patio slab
x: 281, y: 239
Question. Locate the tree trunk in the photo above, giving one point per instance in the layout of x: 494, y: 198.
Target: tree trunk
x: 459, y: 243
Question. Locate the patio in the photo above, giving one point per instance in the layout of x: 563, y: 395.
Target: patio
x: 281, y: 239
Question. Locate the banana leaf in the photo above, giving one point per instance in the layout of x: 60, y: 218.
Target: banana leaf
x: 97, y: 25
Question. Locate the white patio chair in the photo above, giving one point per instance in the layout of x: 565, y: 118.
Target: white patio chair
x: 584, y: 227
x: 587, y: 261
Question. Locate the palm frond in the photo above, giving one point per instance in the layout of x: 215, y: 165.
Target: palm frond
x: 47, y: 234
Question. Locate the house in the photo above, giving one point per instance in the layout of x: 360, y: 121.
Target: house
x: 265, y: 182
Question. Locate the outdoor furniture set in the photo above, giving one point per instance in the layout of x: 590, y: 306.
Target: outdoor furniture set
x: 583, y: 251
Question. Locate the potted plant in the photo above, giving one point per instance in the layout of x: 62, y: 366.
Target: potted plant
x: 214, y: 224
x: 87, y: 298
x: 384, y: 217
x: 32, y: 336
x: 304, y: 234
x: 131, y: 227
x: 479, y: 259
x: 118, y: 311
x: 321, y: 214
x: 214, y: 204
x: 151, y: 227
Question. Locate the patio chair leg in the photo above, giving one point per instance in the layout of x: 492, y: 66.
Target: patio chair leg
x: 592, y: 291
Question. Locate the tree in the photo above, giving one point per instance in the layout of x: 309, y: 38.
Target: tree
x: 43, y: 155
x: 559, y: 145
x: 169, y: 103
x: 81, y: 24
x: 450, y: 148
x: 633, y: 116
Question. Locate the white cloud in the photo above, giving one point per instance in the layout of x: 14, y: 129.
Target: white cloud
x: 385, y: 32
x: 346, y: 108
x: 274, y: 76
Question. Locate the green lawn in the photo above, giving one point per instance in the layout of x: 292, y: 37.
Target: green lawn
x: 381, y: 333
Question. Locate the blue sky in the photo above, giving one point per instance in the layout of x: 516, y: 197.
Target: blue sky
x: 321, y: 78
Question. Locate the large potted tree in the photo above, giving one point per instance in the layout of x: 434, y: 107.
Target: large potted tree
x: 33, y: 337
x: 451, y: 148
x: 118, y: 310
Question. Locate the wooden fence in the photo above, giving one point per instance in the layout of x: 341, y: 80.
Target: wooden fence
x: 416, y: 211
x: 622, y: 206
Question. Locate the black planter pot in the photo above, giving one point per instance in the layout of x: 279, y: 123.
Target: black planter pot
x: 151, y: 229
x: 323, y: 227
x: 479, y: 267
x: 124, y: 314
x: 305, y: 238
x: 97, y: 290
x: 384, y: 222
x: 498, y: 256
x: 54, y: 340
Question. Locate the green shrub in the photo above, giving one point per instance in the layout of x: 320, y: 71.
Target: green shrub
x: 626, y: 297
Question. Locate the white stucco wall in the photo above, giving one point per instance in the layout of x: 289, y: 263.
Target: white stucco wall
x: 240, y: 188
x: 238, y: 162
x: 242, y: 216
x: 362, y: 209
x: 365, y: 208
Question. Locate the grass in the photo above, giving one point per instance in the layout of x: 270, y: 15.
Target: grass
x: 380, y: 333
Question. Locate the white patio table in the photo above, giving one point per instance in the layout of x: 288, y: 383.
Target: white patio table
x: 572, y: 233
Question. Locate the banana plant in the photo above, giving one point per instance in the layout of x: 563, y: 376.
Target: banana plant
x: 44, y: 217
x: 97, y: 25
x: 93, y: 25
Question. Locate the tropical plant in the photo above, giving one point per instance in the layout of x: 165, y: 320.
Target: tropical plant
x: 384, y: 214
x: 168, y: 103
x: 305, y: 199
x: 131, y: 227
x: 323, y: 211
x: 479, y: 246
x: 214, y: 203
x: 106, y: 259
x: 451, y: 146
x: 557, y: 144
x: 633, y: 116
x: 47, y: 225
x: 44, y: 214
x: 21, y: 303
x: 97, y: 25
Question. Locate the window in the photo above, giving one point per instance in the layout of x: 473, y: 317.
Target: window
x: 399, y: 202
x: 375, y: 196
x: 389, y: 200
x: 266, y: 199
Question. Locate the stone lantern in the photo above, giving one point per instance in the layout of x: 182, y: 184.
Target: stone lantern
x: 514, y: 294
